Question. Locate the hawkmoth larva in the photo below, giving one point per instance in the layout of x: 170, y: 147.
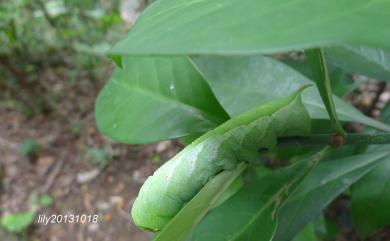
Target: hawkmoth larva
x: 237, y: 140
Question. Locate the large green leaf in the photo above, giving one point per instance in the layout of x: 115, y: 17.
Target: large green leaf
x: 255, y: 26
x: 325, y: 228
x: 306, y: 234
x: 385, y: 115
x: 372, y: 62
x: 330, y: 178
x: 251, y: 213
x: 189, y: 216
x: 241, y: 83
x: 342, y: 81
x: 371, y: 200
x: 153, y: 99
x: 326, y: 181
x: 371, y: 194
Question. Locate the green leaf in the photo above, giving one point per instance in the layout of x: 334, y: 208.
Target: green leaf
x: 189, y: 216
x: 371, y: 199
x: 255, y: 26
x: 251, y: 213
x: 117, y: 59
x: 327, y: 180
x: 385, y: 115
x: 307, y: 234
x: 342, y: 82
x: 234, y: 187
x: 187, y: 140
x: 370, y: 196
x: 321, y: 78
x: 326, y: 229
x: 240, y: 83
x: 29, y: 147
x: 372, y: 62
x: 17, y: 222
x: 153, y: 99
x: 100, y: 157
x: 46, y: 200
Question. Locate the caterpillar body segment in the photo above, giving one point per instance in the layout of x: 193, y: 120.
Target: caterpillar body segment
x: 237, y: 140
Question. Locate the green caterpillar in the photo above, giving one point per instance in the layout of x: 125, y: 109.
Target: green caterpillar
x: 239, y: 139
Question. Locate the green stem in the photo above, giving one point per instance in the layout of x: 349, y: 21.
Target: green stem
x: 326, y: 139
x: 46, y: 14
x: 319, y: 68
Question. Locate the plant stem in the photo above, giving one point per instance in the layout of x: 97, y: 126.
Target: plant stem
x: 46, y: 14
x: 327, y: 139
x: 320, y: 73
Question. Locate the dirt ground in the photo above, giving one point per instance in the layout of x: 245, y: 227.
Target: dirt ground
x: 64, y: 169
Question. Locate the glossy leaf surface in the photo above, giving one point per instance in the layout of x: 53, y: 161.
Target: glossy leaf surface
x: 372, y: 62
x: 255, y: 26
x: 326, y: 181
x: 153, y: 99
x: 252, y: 213
x: 241, y: 83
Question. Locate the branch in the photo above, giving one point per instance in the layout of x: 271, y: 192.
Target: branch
x: 317, y: 62
x: 326, y: 139
x: 49, y: 19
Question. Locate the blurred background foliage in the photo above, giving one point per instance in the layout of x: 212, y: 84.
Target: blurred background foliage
x: 52, y: 65
x: 37, y: 33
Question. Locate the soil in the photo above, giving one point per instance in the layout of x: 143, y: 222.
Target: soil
x: 64, y: 169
